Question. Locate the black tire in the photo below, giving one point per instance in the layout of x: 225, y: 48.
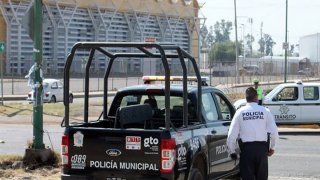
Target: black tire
x: 70, y: 98
x: 53, y: 99
x: 196, y: 174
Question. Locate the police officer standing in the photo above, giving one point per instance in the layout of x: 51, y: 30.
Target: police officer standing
x: 259, y: 91
x: 250, y: 126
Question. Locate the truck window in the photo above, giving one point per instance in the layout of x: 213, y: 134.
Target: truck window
x: 224, y: 108
x: 288, y: 94
x: 311, y: 93
x: 209, y: 107
x: 157, y: 103
x: 130, y: 100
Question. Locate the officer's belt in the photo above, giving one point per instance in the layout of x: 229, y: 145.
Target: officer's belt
x: 255, y: 142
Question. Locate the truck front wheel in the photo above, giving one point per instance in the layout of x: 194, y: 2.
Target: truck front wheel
x: 196, y: 174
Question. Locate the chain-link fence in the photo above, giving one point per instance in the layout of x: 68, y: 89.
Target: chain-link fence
x: 221, y: 74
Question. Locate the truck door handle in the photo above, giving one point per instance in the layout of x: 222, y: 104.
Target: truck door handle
x: 213, y: 132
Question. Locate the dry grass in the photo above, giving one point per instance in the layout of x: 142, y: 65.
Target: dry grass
x: 38, y: 174
x: 233, y: 97
x: 49, y: 172
x: 9, y: 158
x: 56, y: 109
x: 308, y: 126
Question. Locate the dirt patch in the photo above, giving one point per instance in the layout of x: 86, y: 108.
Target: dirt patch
x: 47, y: 173
x: 307, y: 126
x: 233, y: 97
x: 14, y: 167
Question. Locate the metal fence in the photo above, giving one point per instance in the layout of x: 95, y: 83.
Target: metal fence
x: 221, y: 74
x: 20, y: 86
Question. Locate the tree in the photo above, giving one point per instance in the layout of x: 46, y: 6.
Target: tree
x: 222, y: 31
x: 204, y: 33
x: 223, y: 52
x: 291, y: 49
x: 207, y: 36
x: 269, y: 44
x: 266, y: 45
x: 249, y: 40
x: 219, y: 33
x: 210, y: 37
x: 262, y: 45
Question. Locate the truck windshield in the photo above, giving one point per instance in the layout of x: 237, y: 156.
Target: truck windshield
x: 273, y: 92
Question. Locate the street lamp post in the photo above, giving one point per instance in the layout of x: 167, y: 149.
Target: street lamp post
x: 38, y: 106
x: 243, y: 41
x: 250, y: 21
x: 236, y: 33
x: 286, y: 45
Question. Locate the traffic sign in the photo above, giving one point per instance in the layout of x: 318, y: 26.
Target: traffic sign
x: 2, y: 46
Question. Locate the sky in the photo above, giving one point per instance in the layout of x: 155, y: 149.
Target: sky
x: 303, y: 18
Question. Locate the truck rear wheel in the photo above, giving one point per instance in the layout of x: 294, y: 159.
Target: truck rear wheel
x: 196, y: 174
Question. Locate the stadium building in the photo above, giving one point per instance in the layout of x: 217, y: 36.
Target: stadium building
x: 66, y: 22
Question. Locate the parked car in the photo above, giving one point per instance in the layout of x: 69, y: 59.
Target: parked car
x: 250, y: 70
x: 292, y: 103
x: 52, y: 92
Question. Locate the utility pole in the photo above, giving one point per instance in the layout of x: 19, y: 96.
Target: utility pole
x: 243, y: 41
x: 37, y: 54
x: 251, y: 22
x: 2, y: 47
x: 237, y: 58
x: 261, y: 50
x: 286, y: 45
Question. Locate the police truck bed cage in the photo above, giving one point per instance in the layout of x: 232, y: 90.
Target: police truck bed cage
x: 145, y: 52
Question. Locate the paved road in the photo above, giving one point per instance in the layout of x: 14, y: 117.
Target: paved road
x: 16, y: 136
x: 297, y: 156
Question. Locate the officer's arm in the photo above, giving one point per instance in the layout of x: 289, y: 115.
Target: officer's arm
x: 272, y: 129
x: 233, y: 133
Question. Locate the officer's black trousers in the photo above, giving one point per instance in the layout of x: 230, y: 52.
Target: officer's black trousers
x: 254, y: 161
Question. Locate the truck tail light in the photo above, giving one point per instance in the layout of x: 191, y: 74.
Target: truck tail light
x: 168, y: 155
x: 47, y: 94
x: 29, y: 95
x: 65, y: 150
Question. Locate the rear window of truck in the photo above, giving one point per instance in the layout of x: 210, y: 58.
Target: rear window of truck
x: 157, y: 103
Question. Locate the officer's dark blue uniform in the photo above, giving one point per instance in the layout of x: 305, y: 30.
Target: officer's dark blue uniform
x: 251, y: 124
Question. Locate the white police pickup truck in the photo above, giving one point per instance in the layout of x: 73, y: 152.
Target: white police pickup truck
x: 292, y: 103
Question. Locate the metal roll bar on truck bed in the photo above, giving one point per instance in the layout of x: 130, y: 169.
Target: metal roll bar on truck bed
x: 93, y: 47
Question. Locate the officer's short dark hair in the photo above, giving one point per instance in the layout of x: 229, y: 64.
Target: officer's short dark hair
x: 251, y: 94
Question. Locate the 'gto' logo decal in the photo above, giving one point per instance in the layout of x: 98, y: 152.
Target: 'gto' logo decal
x: 113, y: 152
